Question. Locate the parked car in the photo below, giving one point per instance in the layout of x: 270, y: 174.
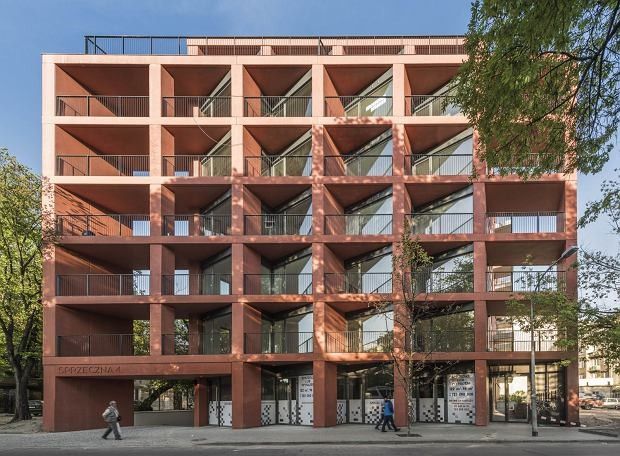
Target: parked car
x: 35, y: 407
x: 611, y: 403
x: 589, y: 402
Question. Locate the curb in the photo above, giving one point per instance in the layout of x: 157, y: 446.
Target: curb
x: 413, y: 441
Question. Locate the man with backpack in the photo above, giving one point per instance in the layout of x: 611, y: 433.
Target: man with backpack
x: 111, y: 417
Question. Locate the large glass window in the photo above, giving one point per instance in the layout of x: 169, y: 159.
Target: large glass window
x: 374, y: 159
x: 372, y: 216
x: 217, y: 329
x: 371, y: 273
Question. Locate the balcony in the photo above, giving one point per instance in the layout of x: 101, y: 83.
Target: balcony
x: 195, y: 106
x: 358, y: 224
x: 358, y: 106
x: 103, y: 345
x: 527, y: 162
x: 525, y: 222
x: 278, y: 106
x: 443, y: 223
x: 279, y: 343
x: 443, y: 341
x: 196, y: 284
x: 196, y: 344
x: 358, y: 282
x: 359, y: 341
x: 520, y: 341
x: 103, y: 225
x: 196, y: 225
x: 102, y: 105
x: 279, y: 165
x: 102, y: 285
x: 445, y: 282
x: 358, y: 165
x: 276, y: 284
x: 431, y: 105
x: 441, y: 164
x: 278, y: 225
x: 102, y: 165
x: 525, y: 281
x: 196, y: 165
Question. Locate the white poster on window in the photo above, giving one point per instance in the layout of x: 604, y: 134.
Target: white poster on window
x: 305, y: 398
x: 461, y: 398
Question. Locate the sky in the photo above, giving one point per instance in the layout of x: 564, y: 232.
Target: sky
x: 34, y: 27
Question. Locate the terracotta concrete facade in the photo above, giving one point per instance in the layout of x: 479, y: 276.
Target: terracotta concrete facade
x: 108, y: 138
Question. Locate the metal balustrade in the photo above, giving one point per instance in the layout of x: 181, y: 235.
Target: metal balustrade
x: 441, y: 223
x: 358, y: 165
x: 196, y: 344
x: 443, y: 341
x: 103, y: 345
x: 197, y: 225
x: 444, y: 282
x: 103, y: 225
x: 102, y: 165
x: 508, y: 340
x: 441, y: 165
x: 195, y: 106
x: 358, y: 224
x: 358, y: 282
x: 278, y: 106
x: 278, y: 224
x: 358, y: 106
x: 359, y: 341
x: 527, y: 162
x: 281, y: 45
x: 279, y: 342
x: 432, y: 105
x: 102, y: 284
x: 196, y: 284
x: 102, y: 105
x: 279, y: 165
x: 525, y: 222
x: 274, y: 284
x: 525, y: 281
x: 196, y: 165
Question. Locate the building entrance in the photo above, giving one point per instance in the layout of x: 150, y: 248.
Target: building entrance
x: 220, y: 401
x: 361, y: 393
x: 287, y: 396
x: 510, y: 397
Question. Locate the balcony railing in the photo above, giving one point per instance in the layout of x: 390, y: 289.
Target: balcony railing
x: 526, y: 163
x: 278, y: 106
x: 274, y: 284
x: 279, y: 165
x: 358, y: 224
x: 358, y: 282
x: 281, y: 45
x: 516, y: 340
x: 444, y: 282
x: 194, y: 106
x: 279, y: 343
x: 432, y: 105
x: 196, y: 344
x: 441, y: 165
x: 359, y: 341
x: 358, y: 106
x: 278, y: 224
x: 525, y: 281
x: 102, y: 165
x: 358, y: 165
x: 102, y: 284
x: 525, y: 222
x: 196, y: 225
x: 196, y: 165
x: 443, y: 341
x: 102, y: 105
x: 103, y: 225
x: 196, y: 284
x: 103, y: 345
x: 446, y: 223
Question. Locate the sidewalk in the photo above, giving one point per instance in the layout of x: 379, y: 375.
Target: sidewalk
x: 184, y: 437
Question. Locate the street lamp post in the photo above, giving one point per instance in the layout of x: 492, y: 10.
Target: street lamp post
x: 534, y: 403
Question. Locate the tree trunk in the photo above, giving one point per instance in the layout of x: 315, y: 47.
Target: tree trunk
x: 177, y: 399
x: 147, y: 402
x: 22, y: 411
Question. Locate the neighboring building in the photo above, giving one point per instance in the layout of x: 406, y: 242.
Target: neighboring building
x: 595, y: 375
x: 255, y: 188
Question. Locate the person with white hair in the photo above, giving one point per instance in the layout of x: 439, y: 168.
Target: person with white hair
x: 111, y: 417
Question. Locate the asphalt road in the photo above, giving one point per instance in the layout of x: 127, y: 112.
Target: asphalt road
x: 490, y: 449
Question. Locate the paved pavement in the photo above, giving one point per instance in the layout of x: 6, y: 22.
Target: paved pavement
x: 187, y: 438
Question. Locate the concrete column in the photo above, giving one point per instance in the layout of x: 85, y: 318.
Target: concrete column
x: 245, y: 319
x: 317, y: 91
x: 325, y: 393
x: 572, y: 393
x: 398, y: 91
x: 478, y: 166
x: 480, y: 207
x: 236, y: 150
x: 237, y: 210
x: 399, y: 149
x: 155, y: 150
x: 236, y: 90
x: 201, y: 403
x: 400, y: 208
x: 318, y: 150
x: 48, y: 112
x: 246, y: 393
x: 195, y: 329
x: 480, y: 267
x: 482, y: 392
x: 161, y: 323
x: 400, y: 397
x: 155, y: 90
x: 480, y: 326
x: 569, y: 207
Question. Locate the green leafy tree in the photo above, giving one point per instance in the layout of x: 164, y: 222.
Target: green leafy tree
x: 24, y: 233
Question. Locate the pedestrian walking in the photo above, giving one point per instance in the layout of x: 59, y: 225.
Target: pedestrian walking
x: 388, y: 416
x: 112, y: 417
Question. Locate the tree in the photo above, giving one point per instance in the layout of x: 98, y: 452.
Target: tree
x: 24, y: 230
x: 543, y: 77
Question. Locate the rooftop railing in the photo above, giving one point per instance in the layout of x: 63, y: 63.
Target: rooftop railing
x: 103, y: 225
x: 195, y: 106
x: 102, y: 105
x: 196, y: 344
x: 358, y: 224
x: 196, y: 284
x: 279, y: 342
x: 103, y: 345
x: 359, y: 341
x: 291, y: 45
x: 278, y: 165
x: 102, y: 165
x: 102, y: 284
x: 278, y: 106
x: 196, y: 165
x: 525, y: 222
x: 358, y: 106
x: 196, y: 225
x: 278, y: 224
x: 446, y: 223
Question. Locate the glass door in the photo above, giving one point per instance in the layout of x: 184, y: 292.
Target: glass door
x: 510, y: 398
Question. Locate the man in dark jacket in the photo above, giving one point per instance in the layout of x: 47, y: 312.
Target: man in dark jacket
x: 111, y: 417
x: 388, y: 415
